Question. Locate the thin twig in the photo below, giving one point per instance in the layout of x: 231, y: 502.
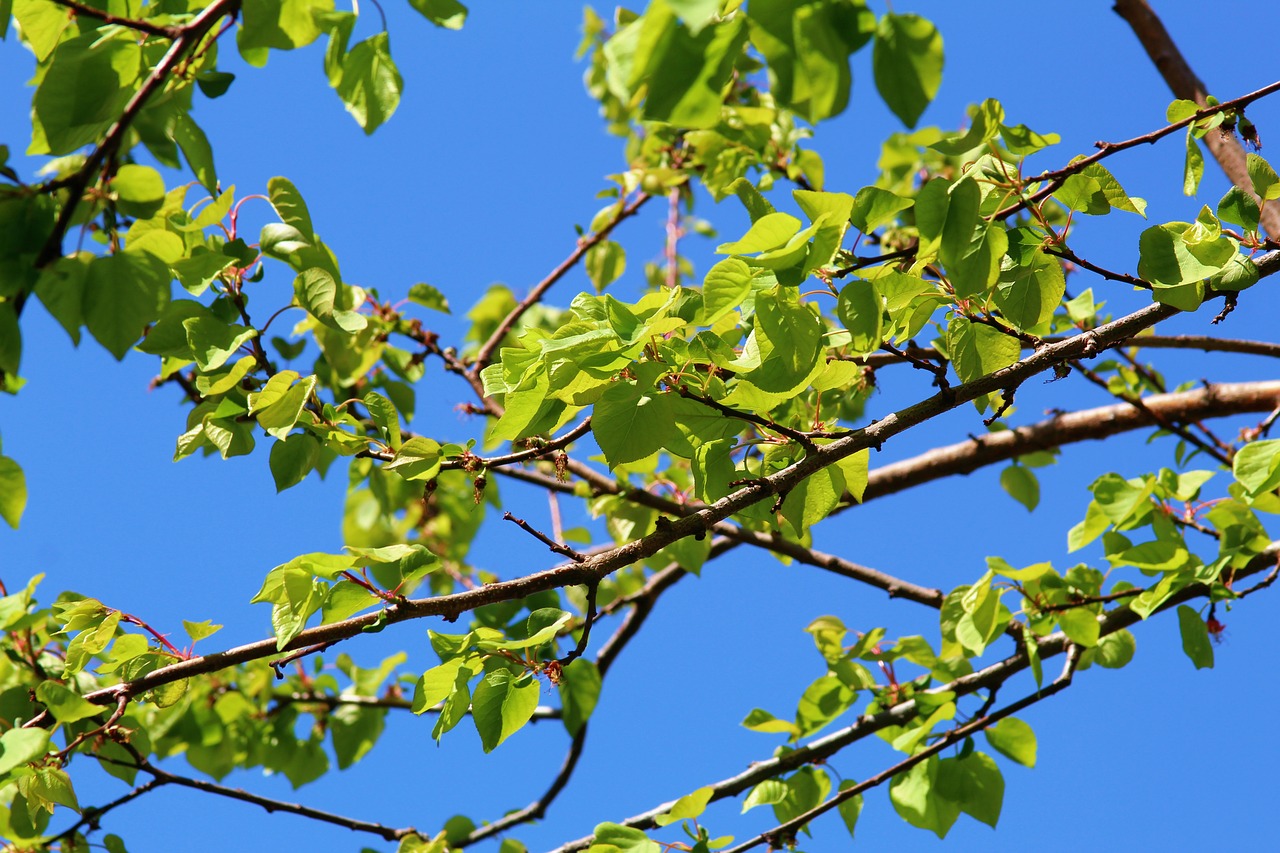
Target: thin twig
x: 587, y: 621
x: 553, y: 545
x: 784, y: 833
x: 106, y: 17
x: 489, y: 347
x: 1053, y: 180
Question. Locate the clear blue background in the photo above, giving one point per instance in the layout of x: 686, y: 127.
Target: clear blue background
x: 494, y: 155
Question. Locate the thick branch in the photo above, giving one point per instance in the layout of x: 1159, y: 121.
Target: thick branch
x: 968, y: 456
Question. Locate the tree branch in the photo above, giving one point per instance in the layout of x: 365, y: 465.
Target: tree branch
x: 190, y: 36
x: 785, y: 833
x: 489, y: 347
x: 698, y: 522
x: 141, y: 26
x: 1053, y: 180
x: 989, y: 677
x: 1184, y: 83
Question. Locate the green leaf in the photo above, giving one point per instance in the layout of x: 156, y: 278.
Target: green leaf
x: 767, y: 793
x: 984, y: 125
x: 502, y: 704
x: 88, y: 82
x: 43, y: 25
x: 688, y: 73
x: 429, y: 297
x: 615, y: 838
x: 139, y: 190
x: 1080, y: 625
x: 873, y: 207
x: 417, y: 459
x: 370, y: 84
x: 122, y: 294
x: 449, y: 14
x: 851, y: 808
x: 631, y: 422
x: 1195, y: 637
x: 978, y: 350
x: 385, y: 418
x: 19, y: 746
x: 212, y: 342
x: 214, y: 84
x: 1021, y: 484
x: 279, y: 24
x: 1013, y: 739
x: 1028, y: 294
x: 807, y: 46
x: 317, y: 292
x: 762, y: 721
x: 812, y: 499
x: 66, y: 706
x: 1193, y: 171
x: 1167, y: 258
x: 726, y: 285
x: 196, y: 148
x: 1266, y: 183
x: 435, y: 685
x: 1115, y: 650
x: 769, y: 232
x: 606, y: 261
x: 198, y: 631
x: 975, y: 783
x: 13, y: 491
x: 916, y: 799
x: 579, y: 691
x: 290, y: 206
x: 1257, y: 466
x: 688, y: 807
x: 292, y: 458
x: 861, y: 309
x: 907, y: 61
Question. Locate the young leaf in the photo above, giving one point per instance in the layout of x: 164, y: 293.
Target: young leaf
x: 907, y: 61
x: 1013, y: 739
x: 502, y: 704
x: 1195, y: 637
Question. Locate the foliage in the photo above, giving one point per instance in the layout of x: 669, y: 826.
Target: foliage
x: 728, y: 409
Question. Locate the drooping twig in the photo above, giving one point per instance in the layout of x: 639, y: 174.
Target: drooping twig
x: 1164, y: 422
x: 587, y: 621
x: 164, y: 777
x: 1066, y: 254
x: 751, y: 417
x: 91, y: 817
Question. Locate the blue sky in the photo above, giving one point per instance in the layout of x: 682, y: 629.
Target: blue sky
x: 496, y: 152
